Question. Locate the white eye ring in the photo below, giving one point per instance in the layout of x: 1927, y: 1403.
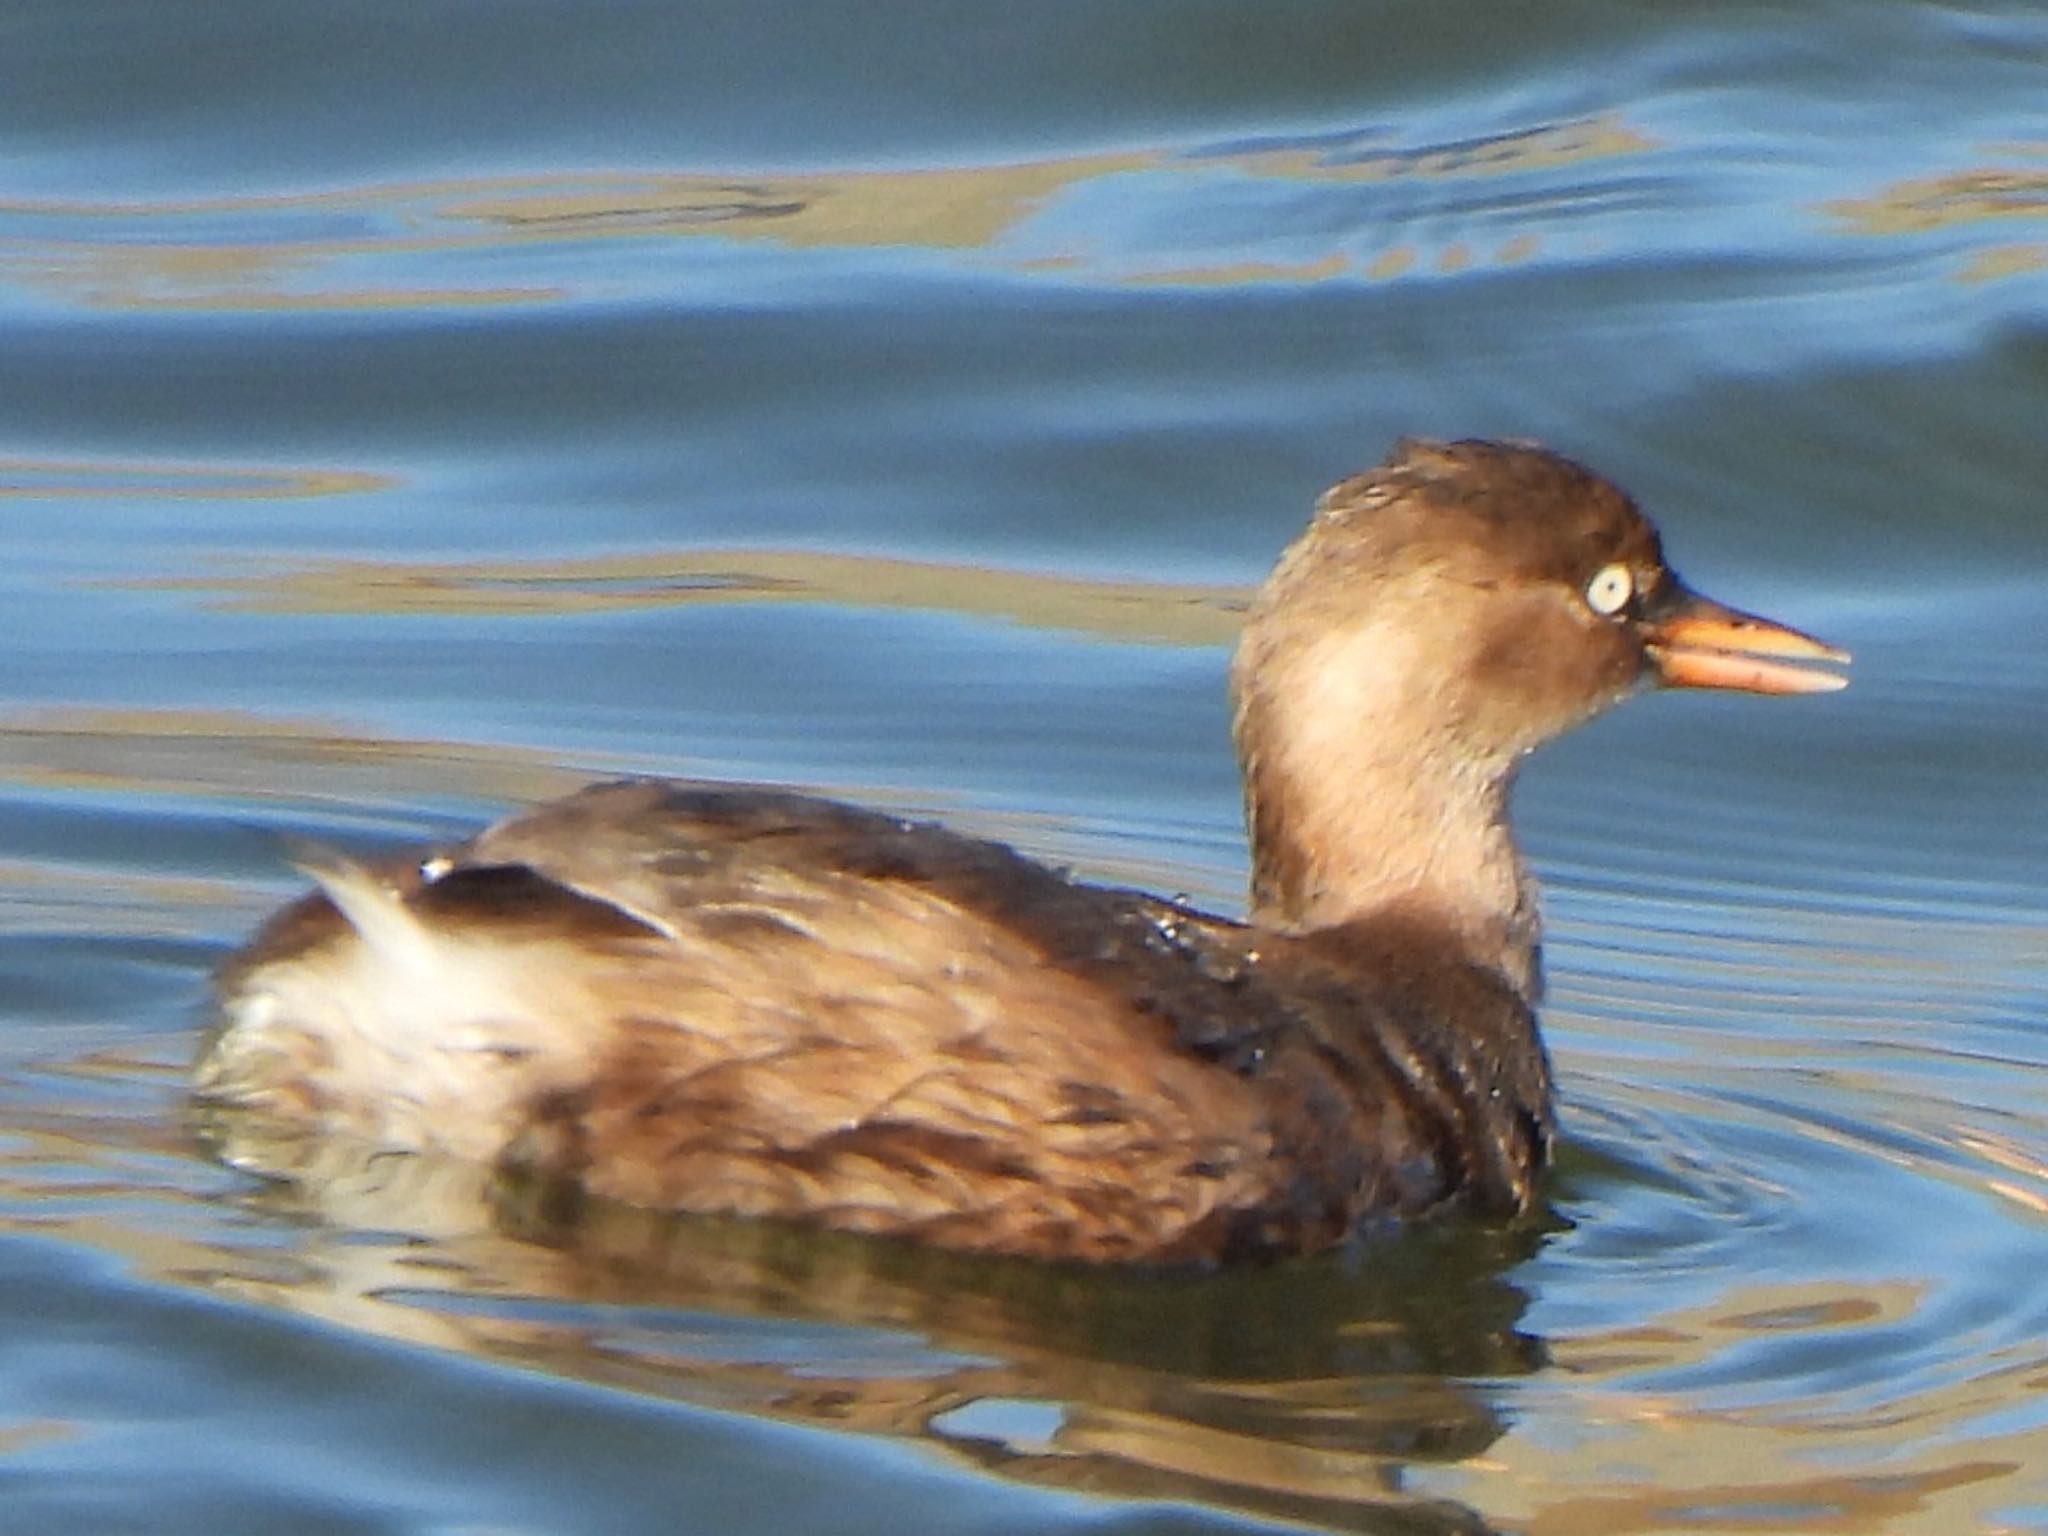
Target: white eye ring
x: 1610, y: 589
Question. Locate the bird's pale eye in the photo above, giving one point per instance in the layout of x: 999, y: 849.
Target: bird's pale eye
x: 1610, y: 589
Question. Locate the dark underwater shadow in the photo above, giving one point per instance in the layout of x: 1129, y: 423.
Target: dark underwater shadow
x: 1306, y: 1390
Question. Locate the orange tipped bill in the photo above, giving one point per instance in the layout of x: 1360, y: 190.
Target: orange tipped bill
x: 1695, y: 642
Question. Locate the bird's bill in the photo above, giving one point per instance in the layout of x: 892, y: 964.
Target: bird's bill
x: 1695, y: 642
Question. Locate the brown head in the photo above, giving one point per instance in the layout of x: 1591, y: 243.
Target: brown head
x: 1442, y: 615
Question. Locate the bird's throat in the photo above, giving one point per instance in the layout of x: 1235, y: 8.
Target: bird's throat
x: 1360, y: 804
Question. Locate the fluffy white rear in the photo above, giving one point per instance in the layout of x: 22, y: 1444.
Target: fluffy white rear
x: 394, y: 1029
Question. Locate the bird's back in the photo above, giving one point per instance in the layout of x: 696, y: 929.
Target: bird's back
x: 761, y: 1004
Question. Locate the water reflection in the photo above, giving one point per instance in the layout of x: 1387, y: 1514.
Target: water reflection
x: 1304, y: 1391
x: 159, y: 751
x: 35, y: 479
x: 1958, y: 197
x: 1398, y: 1389
x: 377, y: 247
x: 1982, y: 195
x: 1144, y: 611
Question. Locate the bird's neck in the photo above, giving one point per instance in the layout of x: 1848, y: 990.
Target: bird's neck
x: 1362, y: 803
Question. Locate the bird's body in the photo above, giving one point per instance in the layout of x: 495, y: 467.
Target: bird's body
x: 756, y: 1003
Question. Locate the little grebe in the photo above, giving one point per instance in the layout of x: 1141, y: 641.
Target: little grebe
x: 754, y: 1003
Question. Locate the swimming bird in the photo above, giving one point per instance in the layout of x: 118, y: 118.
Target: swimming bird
x: 755, y: 1003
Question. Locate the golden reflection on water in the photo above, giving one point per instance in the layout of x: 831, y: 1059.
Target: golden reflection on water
x: 1940, y: 202
x: 231, y: 753
x: 1998, y: 261
x: 1611, y: 1458
x: 97, y: 903
x: 1973, y: 197
x: 169, y: 255
x: 34, y: 1433
x: 305, y: 250
x: 1150, y: 611
x: 78, y: 479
